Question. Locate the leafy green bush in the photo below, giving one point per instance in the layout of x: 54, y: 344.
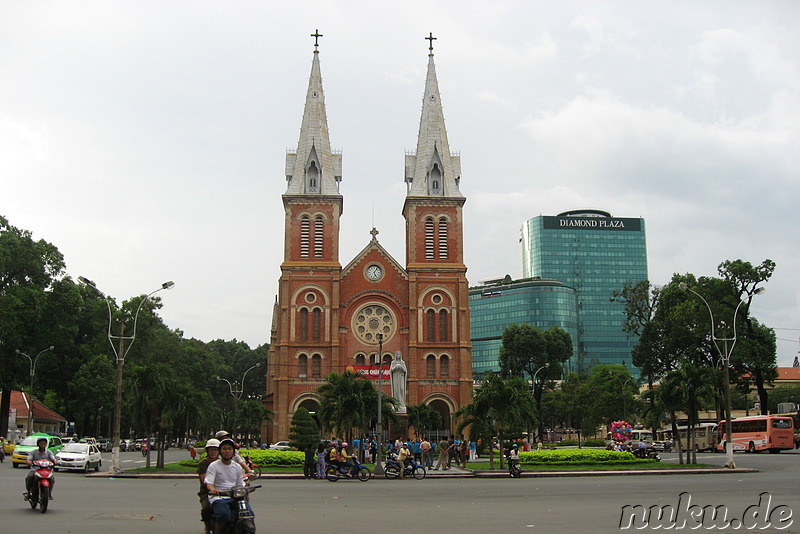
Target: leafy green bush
x: 272, y: 458
x: 264, y: 458
x: 579, y: 456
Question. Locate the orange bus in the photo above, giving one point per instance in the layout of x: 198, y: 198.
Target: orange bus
x: 757, y: 433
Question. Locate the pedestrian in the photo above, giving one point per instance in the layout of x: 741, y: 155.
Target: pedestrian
x: 308, y: 464
x: 427, y: 453
x: 320, y: 460
x: 444, y: 455
x: 416, y: 450
x: 473, y: 451
x: 192, y: 452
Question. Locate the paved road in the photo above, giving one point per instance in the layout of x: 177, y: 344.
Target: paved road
x: 101, y: 505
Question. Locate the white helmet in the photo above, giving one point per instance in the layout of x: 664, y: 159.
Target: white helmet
x: 212, y: 443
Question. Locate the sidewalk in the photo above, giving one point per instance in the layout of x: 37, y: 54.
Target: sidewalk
x: 458, y: 472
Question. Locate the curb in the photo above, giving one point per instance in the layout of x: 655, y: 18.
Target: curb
x: 463, y: 474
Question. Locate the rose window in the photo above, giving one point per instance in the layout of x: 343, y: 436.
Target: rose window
x: 371, y: 320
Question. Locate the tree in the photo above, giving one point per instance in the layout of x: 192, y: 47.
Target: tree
x: 528, y: 350
x: 611, y: 387
x: 348, y: 404
x: 28, y: 268
x: 576, y: 404
x: 304, y: 430
x: 423, y: 418
x: 502, y: 405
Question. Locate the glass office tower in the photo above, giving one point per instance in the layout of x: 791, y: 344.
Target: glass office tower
x: 595, y: 254
x: 499, y: 303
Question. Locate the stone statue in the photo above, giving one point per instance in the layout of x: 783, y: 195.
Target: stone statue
x: 399, y: 373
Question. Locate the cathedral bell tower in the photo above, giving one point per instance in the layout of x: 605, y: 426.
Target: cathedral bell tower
x: 438, y: 288
x: 308, y: 299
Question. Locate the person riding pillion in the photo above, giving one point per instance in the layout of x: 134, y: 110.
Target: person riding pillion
x: 212, y: 454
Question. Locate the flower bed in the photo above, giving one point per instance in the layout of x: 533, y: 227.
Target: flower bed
x: 579, y: 456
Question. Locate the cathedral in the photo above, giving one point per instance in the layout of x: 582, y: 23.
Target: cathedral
x: 329, y: 318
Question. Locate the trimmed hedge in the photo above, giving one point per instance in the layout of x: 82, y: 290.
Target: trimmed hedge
x: 263, y: 458
x: 579, y: 456
x: 584, y: 443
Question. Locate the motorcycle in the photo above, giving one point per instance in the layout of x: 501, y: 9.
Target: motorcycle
x: 647, y: 454
x: 42, y: 485
x: 392, y: 469
x: 355, y: 471
x: 243, y: 521
x: 514, y: 468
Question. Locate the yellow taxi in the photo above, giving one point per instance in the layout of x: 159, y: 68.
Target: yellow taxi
x: 20, y: 454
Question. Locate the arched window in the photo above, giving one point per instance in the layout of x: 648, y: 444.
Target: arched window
x: 430, y: 366
x: 359, y: 359
x: 435, y: 180
x: 444, y: 366
x: 316, y: 366
x: 302, y: 366
x: 429, y: 247
x: 316, y: 324
x: 430, y: 326
x: 303, y: 326
x: 319, y: 227
x: 443, y: 238
x: 444, y: 325
x: 387, y: 359
x: 305, y: 235
x: 312, y: 178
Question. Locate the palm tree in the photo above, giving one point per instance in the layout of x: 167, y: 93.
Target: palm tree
x: 423, y: 418
x: 500, y: 405
x: 348, y: 404
x: 681, y: 390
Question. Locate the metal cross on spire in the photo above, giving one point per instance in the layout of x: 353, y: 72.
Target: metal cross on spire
x: 430, y: 38
x: 316, y: 35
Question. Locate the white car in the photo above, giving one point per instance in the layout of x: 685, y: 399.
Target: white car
x: 80, y: 456
x: 280, y: 446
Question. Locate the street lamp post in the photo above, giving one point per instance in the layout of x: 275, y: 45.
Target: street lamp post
x: 120, y: 351
x: 379, y: 425
x: 31, y: 397
x: 533, y: 389
x: 625, y: 399
x: 725, y: 357
x: 236, y: 389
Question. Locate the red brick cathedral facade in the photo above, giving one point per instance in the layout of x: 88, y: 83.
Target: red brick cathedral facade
x: 328, y: 318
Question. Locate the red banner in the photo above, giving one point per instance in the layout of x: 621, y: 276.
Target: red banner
x: 369, y: 371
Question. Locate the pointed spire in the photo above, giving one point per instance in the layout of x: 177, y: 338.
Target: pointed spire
x: 432, y: 171
x: 313, y: 168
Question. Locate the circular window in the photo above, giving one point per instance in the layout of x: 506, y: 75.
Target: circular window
x: 437, y: 299
x: 311, y: 297
x: 371, y: 320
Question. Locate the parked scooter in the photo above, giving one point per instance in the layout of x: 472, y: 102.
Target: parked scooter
x: 647, y: 453
x: 42, y: 485
x: 392, y: 468
x: 243, y: 521
x: 357, y: 470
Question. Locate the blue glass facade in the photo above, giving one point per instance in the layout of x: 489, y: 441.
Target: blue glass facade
x: 596, y: 254
x: 541, y: 303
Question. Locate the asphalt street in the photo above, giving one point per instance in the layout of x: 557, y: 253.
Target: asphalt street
x: 569, y: 504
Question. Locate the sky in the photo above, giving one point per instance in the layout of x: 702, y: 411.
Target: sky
x: 147, y: 139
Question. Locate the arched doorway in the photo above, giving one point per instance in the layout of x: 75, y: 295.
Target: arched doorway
x: 444, y: 411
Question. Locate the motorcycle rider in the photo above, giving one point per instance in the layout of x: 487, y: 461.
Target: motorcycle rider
x: 221, y: 476
x: 42, y: 453
x: 212, y: 451
x: 223, y: 435
x: 513, y: 456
